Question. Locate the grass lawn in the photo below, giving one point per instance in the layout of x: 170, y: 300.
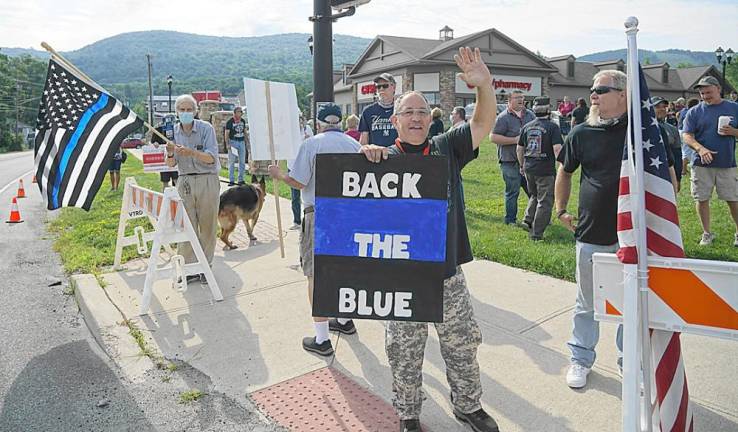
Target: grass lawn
x: 492, y: 239
x: 86, y: 241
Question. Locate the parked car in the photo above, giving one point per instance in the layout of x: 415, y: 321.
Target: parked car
x: 470, y: 109
x: 130, y: 143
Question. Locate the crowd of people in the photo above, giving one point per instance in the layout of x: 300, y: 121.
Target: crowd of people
x: 535, y: 154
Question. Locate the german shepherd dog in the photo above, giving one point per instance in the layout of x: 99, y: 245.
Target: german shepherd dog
x: 240, y: 203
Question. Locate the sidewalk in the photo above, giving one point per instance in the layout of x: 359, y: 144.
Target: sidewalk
x: 252, y: 340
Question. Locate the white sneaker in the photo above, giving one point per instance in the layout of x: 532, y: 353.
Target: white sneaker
x: 707, y: 239
x: 295, y: 227
x: 576, y: 376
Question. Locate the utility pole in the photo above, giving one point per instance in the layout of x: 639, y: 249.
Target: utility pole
x: 151, y: 92
x: 17, y: 95
x: 322, y: 43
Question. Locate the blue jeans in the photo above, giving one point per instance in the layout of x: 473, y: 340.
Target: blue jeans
x: 296, y: 207
x: 586, y: 330
x: 240, y: 147
x: 512, y: 178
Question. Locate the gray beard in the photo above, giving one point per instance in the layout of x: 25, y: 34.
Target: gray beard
x: 594, y: 119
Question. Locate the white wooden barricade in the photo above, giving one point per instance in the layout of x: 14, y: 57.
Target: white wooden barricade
x: 171, y: 225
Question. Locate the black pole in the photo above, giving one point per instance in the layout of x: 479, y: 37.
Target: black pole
x: 169, y: 84
x: 722, y: 85
x: 322, y: 55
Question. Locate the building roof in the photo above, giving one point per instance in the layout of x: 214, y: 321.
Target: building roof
x: 415, y: 47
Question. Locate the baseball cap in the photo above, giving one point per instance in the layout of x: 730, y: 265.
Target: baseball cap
x: 385, y: 76
x: 707, y: 81
x: 655, y: 100
x: 681, y: 100
x: 329, y: 113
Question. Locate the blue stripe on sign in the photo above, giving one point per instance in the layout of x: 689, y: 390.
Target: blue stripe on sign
x: 337, y: 220
x: 73, y: 141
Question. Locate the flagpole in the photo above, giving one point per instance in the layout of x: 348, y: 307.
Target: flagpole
x: 639, y: 358
x: 69, y: 64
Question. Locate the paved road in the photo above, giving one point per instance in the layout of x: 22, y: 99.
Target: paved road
x: 53, y: 376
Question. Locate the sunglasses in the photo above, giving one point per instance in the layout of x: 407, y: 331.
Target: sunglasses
x: 600, y: 90
x: 382, y: 86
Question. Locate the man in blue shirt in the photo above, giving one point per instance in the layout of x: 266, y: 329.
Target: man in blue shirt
x: 331, y: 139
x: 714, y: 164
x: 375, y: 125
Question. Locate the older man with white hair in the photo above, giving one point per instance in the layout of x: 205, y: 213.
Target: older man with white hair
x: 597, y: 147
x: 195, y: 154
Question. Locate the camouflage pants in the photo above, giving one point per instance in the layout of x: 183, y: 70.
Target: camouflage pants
x: 459, y: 336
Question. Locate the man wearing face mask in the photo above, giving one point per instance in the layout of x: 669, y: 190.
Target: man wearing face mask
x: 194, y: 153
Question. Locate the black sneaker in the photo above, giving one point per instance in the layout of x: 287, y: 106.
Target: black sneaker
x: 348, y: 329
x: 526, y: 225
x: 411, y: 425
x: 324, y: 349
x: 231, y: 184
x: 479, y: 420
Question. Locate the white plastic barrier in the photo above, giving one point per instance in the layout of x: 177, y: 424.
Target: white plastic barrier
x: 171, y: 225
x: 686, y: 295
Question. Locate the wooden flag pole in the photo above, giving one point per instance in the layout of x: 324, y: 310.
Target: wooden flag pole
x: 90, y: 81
x: 274, y: 162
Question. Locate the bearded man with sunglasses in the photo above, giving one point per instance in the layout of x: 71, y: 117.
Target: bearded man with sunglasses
x: 597, y: 147
x: 459, y: 333
x: 375, y: 125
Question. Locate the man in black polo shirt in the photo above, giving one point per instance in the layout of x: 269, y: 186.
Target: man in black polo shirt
x: 539, y: 144
x: 459, y: 333
x: 166, y: 129
x: 597, y: 147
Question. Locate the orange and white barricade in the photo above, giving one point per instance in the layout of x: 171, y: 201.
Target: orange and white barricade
x: 171, y: 225
x: 685, y: 295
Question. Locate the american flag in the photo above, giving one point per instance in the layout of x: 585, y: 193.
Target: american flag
x: 78, y: 130
x: 663, y: 238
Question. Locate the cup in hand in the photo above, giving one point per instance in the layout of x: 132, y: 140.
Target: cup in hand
x: 723, y: 121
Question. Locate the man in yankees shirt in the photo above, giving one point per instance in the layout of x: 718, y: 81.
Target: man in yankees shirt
x: 459, y: 333
x: 375, y: 125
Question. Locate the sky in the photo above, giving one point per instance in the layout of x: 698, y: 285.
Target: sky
x: 552, y: 27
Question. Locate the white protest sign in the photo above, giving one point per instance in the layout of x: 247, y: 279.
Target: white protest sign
x: 154, y: 159
x: 285, y: 119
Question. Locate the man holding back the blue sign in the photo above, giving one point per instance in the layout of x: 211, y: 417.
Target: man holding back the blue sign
x: 459, y: 333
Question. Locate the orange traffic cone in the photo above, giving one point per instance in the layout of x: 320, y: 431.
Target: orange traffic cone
x: 34, y: 179
x: 21, y: 191
x: 15, y: 216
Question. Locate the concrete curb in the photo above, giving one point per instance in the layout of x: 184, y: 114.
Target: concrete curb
x: 108, y: 327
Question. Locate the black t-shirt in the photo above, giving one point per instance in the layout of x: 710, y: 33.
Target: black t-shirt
x: 538, y: 138
x: 376, y: 120
x: 235, y: 129
x: 456, y: 144
x: 599, y: 151
x: 436, y: 128
x: 579, y: 114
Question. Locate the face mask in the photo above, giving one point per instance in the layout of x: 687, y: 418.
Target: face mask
x: 186, y: 117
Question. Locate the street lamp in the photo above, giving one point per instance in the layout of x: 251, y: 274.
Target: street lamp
x: 724, y: 58
x: 169, y: 84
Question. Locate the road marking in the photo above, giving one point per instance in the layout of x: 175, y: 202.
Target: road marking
x: 14, y: 181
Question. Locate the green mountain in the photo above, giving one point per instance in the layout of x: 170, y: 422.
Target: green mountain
x: 200, y: 62
x: 675, y: 57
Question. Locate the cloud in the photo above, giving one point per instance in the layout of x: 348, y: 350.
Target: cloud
x: 553, y: 28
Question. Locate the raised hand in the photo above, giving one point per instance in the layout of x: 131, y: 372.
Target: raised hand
x: 473, y: 70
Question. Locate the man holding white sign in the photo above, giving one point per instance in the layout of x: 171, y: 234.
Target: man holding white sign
x: 331, y: 139
x: 459, y: 333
